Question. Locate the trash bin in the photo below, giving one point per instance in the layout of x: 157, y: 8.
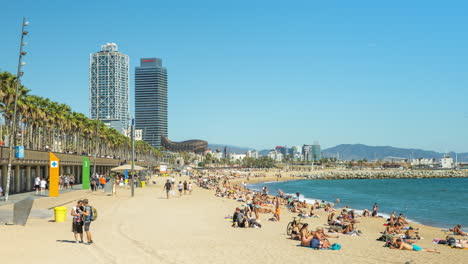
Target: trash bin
x: 143, y: 184
x: 60, y: 214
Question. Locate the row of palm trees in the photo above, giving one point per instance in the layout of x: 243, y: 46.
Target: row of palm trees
x: 43, y: 124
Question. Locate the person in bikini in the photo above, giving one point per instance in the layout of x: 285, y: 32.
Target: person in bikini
x: 457, y: 231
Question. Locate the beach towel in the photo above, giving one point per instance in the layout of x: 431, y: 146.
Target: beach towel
x: 335, y: 246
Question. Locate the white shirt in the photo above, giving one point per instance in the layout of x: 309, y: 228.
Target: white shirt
x: 43, y: 184
x: 190, y: 186
x: 37, y: 181
x: 173, y: 180
x: 180, y: 186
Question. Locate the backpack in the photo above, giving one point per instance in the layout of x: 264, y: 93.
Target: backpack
x: 94, y: 213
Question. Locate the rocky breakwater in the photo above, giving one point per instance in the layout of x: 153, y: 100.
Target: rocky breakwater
x: 384, y: 174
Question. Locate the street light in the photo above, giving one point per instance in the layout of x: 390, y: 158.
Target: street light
x: 12, y: 136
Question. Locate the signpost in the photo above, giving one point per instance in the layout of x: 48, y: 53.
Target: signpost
x: 85, y: 173
x: 53, y: 175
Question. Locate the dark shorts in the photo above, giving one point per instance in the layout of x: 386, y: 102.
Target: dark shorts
x: 37, y: 187
x: 77, y: 227
x: 86, y: 226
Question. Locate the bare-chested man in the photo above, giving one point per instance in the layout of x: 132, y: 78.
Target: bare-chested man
x: 399, y: 244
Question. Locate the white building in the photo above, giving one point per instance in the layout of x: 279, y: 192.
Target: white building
x: 234, y: 157
x: 138, y: 133
x: 276, y: 156
x: 252, y: 154
x: 423, y: 162
x: 446, y: 162
x: 109, y: 87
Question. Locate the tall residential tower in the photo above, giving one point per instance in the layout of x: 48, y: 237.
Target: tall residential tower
x: 151, y: 100
x: 109, y: 84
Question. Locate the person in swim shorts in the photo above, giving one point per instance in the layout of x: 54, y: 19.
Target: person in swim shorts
x: 405, y: 246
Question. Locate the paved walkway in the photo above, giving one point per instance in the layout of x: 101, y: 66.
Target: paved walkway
x: 20, y: 196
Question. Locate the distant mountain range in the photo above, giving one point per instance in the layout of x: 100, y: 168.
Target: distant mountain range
x: 360, y: 151
x: 229, y: 148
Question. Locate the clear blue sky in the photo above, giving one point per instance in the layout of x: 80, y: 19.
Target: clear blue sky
x: 267, y: 73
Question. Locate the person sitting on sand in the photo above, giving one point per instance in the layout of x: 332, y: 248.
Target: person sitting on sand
x: 330, y: 220
x: 399, y: 244
x: 401, y: 220
x: 322, y: 237
x: 457, y: 231
x: 412, y: 234
x: 366, y: 213
x: 350, y: 230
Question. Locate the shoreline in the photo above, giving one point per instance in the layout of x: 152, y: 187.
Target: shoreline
x: 309, y: 200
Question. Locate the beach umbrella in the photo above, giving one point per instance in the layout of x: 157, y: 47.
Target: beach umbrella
x: 127, y: 167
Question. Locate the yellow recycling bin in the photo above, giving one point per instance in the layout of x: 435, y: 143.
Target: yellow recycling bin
x: 60, y: 214
x: 143, y: 184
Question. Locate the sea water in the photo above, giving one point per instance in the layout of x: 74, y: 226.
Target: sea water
x: 436, y: 202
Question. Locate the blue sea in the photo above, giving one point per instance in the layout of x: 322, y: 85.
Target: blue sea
x: 435, y: 202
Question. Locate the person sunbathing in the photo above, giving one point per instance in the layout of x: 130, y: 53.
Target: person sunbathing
x: 350, y: 230
x: 330, y: 220
x: 399, y: 244
x: 457, y: 231
x: 322, y: 237
x: 412, y: 234
x: 401, y: 220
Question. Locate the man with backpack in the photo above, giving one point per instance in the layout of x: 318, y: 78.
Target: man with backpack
x: 89, y: 215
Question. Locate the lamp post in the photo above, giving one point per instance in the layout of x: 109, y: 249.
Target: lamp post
x: 98, y: 101
x: 132, y: 127
x: 12, y: 136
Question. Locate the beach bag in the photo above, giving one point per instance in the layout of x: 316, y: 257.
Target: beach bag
x: 335, y: 246
x: 94, y: 213
x: 451, y: 241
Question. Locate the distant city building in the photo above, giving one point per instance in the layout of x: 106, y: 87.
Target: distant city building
x: 307, y: 152
x: 446, y: 162
x: 234, y: 156
x: 430, y: 163
x: 138, y: 133
x: 109, y: 82
x: 275, y: 155
x: 296, y: 152
x: 252, y: 154
x: 151, y: 100
x: 316, y: 151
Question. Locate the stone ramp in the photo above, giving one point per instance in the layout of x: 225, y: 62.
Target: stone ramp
x: 6, y: 216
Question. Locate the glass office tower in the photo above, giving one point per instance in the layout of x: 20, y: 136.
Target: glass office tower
x: 151, y: 100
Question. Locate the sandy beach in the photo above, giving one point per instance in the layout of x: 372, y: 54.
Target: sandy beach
x: 191, y: 229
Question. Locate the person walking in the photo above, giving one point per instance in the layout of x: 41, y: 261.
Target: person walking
x: 77, y: 223
x: 88, y: 217
x: 43, y: 184
x: 168, y: 188
x: 190, y: 187
x: 180, y: 187
x: 185, y: 187
x: 37, y: 184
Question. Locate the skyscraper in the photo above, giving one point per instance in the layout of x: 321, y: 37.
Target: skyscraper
x: 151, y: 100
x: 109, y: 84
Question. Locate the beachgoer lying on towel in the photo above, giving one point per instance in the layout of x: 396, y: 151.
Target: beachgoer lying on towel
x: 405, y: 246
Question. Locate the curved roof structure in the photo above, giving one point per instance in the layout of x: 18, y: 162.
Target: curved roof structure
x: 193, y: 145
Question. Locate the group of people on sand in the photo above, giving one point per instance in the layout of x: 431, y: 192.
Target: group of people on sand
x: 183, y: 188
x: 83, y: 214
